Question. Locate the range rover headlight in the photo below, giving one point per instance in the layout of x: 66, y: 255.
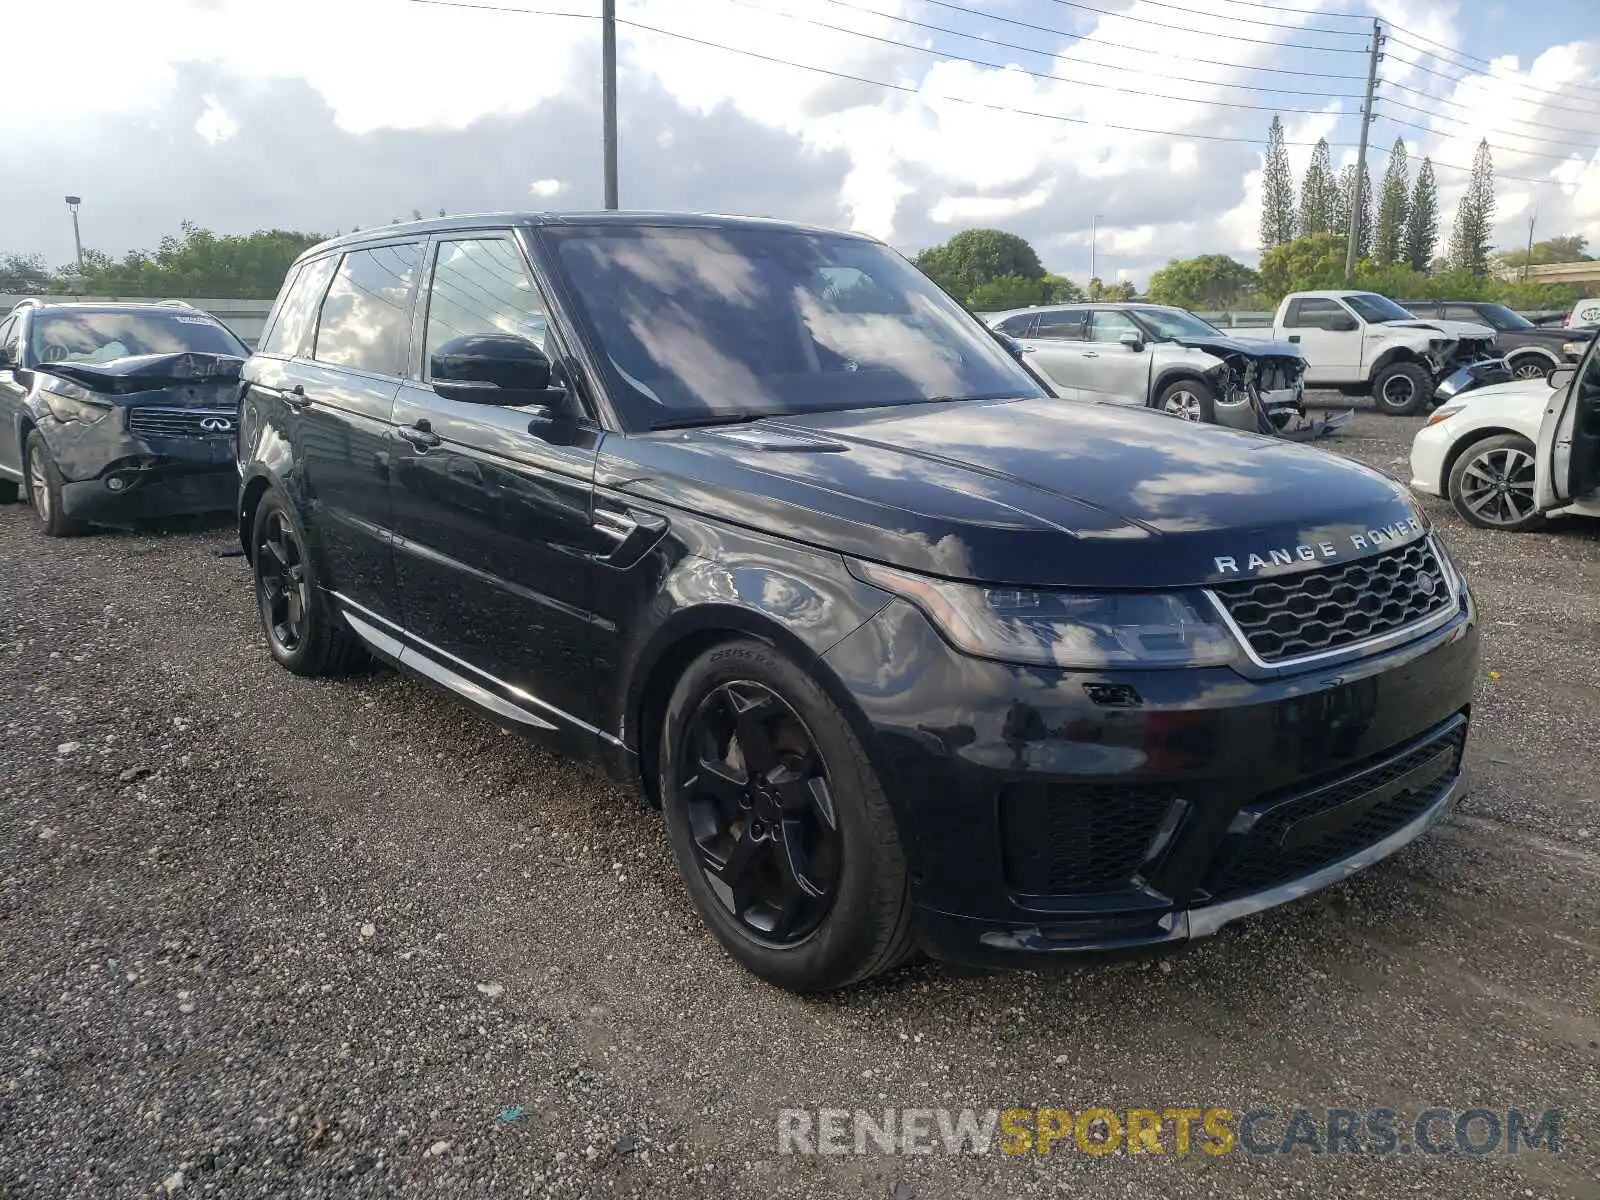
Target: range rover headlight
x: 69, y: 408
x: 1083, y: 630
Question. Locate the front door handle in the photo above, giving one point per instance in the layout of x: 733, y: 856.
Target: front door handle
x: 1091, y: 354
x: 420, y: 435
x: 1295, y: 338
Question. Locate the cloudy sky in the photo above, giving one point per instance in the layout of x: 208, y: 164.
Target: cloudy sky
x: 325, y: 114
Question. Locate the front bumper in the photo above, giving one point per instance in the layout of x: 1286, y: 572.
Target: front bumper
x: 150, y: 491
x: 1045, y: 814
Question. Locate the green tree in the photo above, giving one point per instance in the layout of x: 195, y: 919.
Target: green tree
x: 23, y: 273
x: 1471, y: 238
x: 1305, y: 264
x: 1211, y: 281
x: 975, y: 257
x: 198, y: 263
x: 1394, y: 203
x: 1277, y: 191
x: 1564, y: 249
x: 1422, y: 221
x: 1121, y: 292
x: 1008, y: 291
x: 1061, y: 290
x: 1349, y: 199
x: 1318, y: 192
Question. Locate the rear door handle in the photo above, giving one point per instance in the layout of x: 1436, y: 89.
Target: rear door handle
x: 1091, y: 354
x: 420, y: 435
x: 295, y: 397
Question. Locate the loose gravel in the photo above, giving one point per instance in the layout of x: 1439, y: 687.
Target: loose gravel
x: 265, y: 936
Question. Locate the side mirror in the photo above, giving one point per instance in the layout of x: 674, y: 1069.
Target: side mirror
x: 1132, y: 341
x: 1562, y: 376
x: 493, y: 368
x: 1340, y: 323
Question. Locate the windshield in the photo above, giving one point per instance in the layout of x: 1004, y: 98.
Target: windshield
x: 696, y: 324
x: 1501, y: 317
x: 97, y: 337
x: 1371, y: 307
x: 1176, y: 323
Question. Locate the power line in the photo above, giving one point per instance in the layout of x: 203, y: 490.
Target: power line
x: 1110, y: 45
x: 1540, y: 97
x: 1587, y: 147
x: 1309, y: 12
x: 1460, y: 54
x: 1248, y: 87
x: 1470, y: 71
x: 1468, y: 107
x: 536, y: 12
x: 1468, y: 170
x: 1492, y: 146
x: 978, y: 62
x: 912, y: 91
x: 1254, y: 20
x: 1232, y: 37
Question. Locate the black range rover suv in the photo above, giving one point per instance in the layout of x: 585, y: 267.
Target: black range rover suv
x: 910, y: 653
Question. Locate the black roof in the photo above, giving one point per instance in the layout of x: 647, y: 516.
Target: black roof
x: 636, y: 218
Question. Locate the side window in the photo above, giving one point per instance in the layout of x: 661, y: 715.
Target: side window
x: 1109, y: 326
x: 1310, y: 313
x: 11, y: 341
x: 1061, y: 325
x: 480, y: 286
x: 1460, y: 312
x: 1017, y: 326
x: 297, y: 308
x: 365, y: 320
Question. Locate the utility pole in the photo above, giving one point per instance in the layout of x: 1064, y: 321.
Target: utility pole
x: 77, y: 239
x: 1528, y: 259
x: 1094, y: 246
x: 1361, y: 154
x: 608, y: 94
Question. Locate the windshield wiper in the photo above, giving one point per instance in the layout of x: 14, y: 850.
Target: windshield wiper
x: 694, y: 422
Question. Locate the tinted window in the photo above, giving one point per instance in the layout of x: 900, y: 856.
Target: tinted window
x: 1177, y: 323
x: 1460, y: 312
x: 96, y: 336
x: 695, y: 323
x: 1061, y: 325
x: 297, y: 308
x: 366, y: 318
x: 1313, y: 312
x: 1373, y: 307
x: 1501, y: 317
x: 1018, y: 325
x: 10, y: 339
x: 1109, y: 326
x: 480, y: 286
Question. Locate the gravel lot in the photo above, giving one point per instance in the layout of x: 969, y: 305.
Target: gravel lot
x: 264, y: 936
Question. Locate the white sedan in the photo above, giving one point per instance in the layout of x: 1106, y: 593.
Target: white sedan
x: 1478, y: 451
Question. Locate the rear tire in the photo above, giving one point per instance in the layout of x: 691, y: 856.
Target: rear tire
x: 1403, y: 390
x: 44, y: 489
x: 1491, y: 484
x: 1188, y: 400
x: 1530, y: 366
x: 304, y: 632
x: 781, y: 829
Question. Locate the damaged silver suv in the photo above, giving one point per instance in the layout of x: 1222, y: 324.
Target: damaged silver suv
x: 1161, y: 357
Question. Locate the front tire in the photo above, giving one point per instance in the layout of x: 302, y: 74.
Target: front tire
x: 1530, y: 366
x: 303, y: 631
x: 1402, y: 390
x: 1189, y: 400
x: 1491, y: 484
x: 44, y: 481
x: 779, y: 824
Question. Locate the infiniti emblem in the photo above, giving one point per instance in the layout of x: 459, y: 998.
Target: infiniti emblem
x: 222, y: 425
x: 1427, y: 584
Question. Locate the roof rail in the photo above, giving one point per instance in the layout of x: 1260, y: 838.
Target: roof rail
x: 175, y: 303
x: 27, y: 302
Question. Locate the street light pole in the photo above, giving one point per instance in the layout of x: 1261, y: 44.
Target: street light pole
x: 608, y: 97
x: 77, y: 240
x: 1094, y: 244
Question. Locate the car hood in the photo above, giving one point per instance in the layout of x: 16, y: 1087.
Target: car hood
x: 1553, y: 336
x: 1038, y: 491
x: 1534, y: 392
x: 140, y: 373
x: 1458, y: 330
x: 1227, y: 345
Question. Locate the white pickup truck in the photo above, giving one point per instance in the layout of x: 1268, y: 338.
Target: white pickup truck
x: 1363, y: 343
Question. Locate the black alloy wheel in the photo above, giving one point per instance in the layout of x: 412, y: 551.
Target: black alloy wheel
x: 283, y: 583
x: 1530, y: 367
x: 761, y: 811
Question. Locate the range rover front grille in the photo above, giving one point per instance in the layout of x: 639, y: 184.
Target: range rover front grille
x: 1064, y: 839
x: 1298, y: 836
x: 1290, y: 616
x: 181, y: 422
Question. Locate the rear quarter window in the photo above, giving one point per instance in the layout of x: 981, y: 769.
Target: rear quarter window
x: 297, y: 306
x: 365, y: 321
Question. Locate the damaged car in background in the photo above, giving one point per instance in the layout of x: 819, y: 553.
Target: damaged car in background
x: 114, y: 413
x: 1169, y: 359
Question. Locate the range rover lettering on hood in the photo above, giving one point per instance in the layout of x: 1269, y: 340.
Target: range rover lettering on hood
x: 1284, y: 556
